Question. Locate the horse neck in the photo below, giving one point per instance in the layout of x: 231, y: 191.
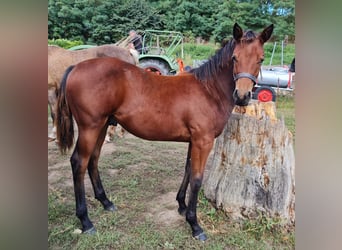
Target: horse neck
x: 225, y: 86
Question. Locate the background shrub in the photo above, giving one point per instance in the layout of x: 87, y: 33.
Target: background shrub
x: 64, y: 43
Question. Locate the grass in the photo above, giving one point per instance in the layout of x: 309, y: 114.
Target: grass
x: 136, y: 173
x: 126, y: 230
x: 285, y: 106
x: 205, y: 51
x: 288, y: 54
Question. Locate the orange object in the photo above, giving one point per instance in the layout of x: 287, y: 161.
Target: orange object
x: 180, y: 64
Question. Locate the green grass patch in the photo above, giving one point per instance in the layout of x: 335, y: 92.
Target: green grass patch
x: 285, y: 106
x: 288, y: 54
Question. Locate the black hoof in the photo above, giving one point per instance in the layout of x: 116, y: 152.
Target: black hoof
x: 201, y: 237
x: 111, y: 208
x: 90, y: 231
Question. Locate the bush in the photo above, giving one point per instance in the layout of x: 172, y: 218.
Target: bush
x: 64, y: 43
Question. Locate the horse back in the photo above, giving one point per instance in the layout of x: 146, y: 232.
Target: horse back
x: 173, y: 105
x: 111, y: 50
x: 59, y: 59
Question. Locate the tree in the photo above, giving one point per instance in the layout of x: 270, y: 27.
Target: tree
x: 194, y: 17
x: 283, y: 14
x: 99, y: 21
x: 249, y: 14
x: 108, y: 25
x: 102, y: 21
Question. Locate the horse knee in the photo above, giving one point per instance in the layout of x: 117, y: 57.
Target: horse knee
x: 196, y: 184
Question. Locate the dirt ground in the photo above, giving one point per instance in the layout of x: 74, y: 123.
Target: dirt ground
x: 135, y: 155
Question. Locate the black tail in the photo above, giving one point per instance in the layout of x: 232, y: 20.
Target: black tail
x: 65, y: 126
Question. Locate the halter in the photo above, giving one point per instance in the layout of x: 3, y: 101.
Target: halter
x: 245, y: 75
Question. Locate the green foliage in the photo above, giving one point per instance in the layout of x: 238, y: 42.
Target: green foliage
x: 192, y: 16
x: 100, y: 21
x: 64, y: 43
x: 263, y: 226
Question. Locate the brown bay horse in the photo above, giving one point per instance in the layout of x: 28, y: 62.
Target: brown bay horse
x: 190, y: 107
x: 60, y: 59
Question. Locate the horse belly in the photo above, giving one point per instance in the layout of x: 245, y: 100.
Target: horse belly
x: 155, y: 127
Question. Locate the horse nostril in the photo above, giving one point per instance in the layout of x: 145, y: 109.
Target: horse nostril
x: 249, y: 94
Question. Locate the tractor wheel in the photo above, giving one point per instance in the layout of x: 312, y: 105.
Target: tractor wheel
x: 155, y: 66
x: 265, y: 94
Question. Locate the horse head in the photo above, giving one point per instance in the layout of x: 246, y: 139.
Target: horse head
x: 247, y: 58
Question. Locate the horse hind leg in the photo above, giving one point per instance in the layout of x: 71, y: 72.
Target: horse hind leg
x: 94, y: 175
x: 52, y: 102
x: 184, y: 186
x: 79, y: 163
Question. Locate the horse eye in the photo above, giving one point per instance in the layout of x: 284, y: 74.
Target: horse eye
x: 261, y: 61
x: 234, y: 59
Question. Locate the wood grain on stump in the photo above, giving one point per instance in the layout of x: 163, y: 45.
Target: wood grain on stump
x: 253, y: 165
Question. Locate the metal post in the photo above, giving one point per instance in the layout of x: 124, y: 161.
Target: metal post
x: 282, y: 53
x: 275, y: 44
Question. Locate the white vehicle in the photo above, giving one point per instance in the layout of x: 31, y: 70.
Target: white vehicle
x: 271, y: 78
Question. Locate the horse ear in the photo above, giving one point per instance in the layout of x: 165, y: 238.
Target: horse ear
x: 266, y: 33
x: 237, y: 32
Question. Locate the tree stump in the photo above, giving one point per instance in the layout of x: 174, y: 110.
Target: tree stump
x: 252, y: 168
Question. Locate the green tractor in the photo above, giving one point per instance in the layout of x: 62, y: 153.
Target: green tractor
x: 159, y: 52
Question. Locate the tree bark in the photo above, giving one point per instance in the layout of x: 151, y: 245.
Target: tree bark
x: 252, y: 168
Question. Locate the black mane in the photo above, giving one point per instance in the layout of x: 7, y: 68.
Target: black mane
x: 208, y: 71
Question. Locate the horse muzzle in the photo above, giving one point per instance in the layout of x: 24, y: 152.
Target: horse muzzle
x: 243, y: 98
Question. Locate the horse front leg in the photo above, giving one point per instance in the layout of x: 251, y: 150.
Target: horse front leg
x: 199, y: 155
x: 184, y: 186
